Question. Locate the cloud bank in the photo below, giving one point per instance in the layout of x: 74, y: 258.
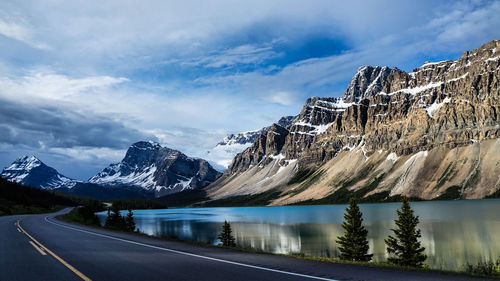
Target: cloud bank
x: 80, y: 82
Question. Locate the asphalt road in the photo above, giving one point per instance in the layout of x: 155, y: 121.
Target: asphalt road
x: 41, y: 247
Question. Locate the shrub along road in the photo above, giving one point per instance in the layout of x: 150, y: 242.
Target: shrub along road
x: 40, y: 247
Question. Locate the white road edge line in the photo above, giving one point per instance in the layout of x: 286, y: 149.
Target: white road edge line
x: 189, y: 254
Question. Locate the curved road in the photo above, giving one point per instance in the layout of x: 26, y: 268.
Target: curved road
x: 40, y: 247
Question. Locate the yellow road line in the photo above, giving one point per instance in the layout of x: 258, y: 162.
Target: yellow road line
x: 38, y: 249
x: 81, y: 275
x: 18, y: 229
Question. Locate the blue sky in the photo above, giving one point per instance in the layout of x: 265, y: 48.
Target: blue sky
x: 82, y: 80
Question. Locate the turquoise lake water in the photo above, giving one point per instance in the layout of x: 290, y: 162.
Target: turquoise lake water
x: 453, y: 232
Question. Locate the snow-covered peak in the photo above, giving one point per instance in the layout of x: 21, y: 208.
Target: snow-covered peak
x: 157, y: 169
x: 146, y: 145
x: 26, y: 163
x: 242, y: 138
x: 31, y: 171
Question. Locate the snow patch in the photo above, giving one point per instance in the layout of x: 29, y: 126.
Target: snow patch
x: 392, y: 157
x: 456, y: 79
x: 436, y: 106
x: 416, y: 90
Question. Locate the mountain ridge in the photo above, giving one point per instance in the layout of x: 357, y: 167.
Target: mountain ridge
x: 158, y: 169
x: 383, y: 136
x: 135, y: 176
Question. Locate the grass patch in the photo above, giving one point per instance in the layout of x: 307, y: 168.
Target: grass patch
x: 486, y: 268
x: 77, y: 215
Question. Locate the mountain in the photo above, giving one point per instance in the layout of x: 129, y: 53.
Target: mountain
x: 157, y: 169
x: 223, y: 153
x: 30, y: 171
x: 431, y: 133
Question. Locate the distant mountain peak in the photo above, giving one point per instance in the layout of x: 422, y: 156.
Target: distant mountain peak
x: 157, y: 169
x: 31, y: 171
x: 27, y: 162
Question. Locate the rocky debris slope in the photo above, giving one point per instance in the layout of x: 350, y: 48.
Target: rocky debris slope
x: 423, y: 133
x: 158, y: 169
x: 30, y: 171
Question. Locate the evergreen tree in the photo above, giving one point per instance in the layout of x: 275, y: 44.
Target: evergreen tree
x: 354, y: 243
x: 108, y: 219
x: 405, y: 247
x: 226, y: 236
x: 129, y: 221
x: 115, y: 220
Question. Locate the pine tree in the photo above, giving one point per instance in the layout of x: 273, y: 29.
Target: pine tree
x: 405, y: 247
x: 129, y: 221
x: 354, y: 243
x: 115, y: 220
x: 226, y: 236
x: 108, y: 219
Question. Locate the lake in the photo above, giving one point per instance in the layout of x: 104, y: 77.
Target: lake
x: 453, y: 232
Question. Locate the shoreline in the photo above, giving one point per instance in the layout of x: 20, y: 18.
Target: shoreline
x: 295, y: 255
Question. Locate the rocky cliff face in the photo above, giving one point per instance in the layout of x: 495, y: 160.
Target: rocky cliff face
x: 158, y: 169
x: 367, y: 82
x: 446, y: 109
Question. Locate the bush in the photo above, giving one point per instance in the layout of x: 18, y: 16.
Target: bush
x: 487, y: 268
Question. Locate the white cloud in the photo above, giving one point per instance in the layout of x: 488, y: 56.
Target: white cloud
x: 21, y: 33
x: 91, y: 154
x: 96, y: 54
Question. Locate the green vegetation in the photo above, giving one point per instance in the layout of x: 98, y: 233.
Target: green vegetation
x: 301, y: 175
x: 405, y: 248
x: 184, y: 198
x: 452, y: 193
x: 116, y: 221
x: 354, y: 242
x: 125, y: 204
x: 307, y: 182
x: 259, y: 199
x: 495, y: 194
x: 85, y: 214
x: 449, y: 173
x: 488, y: 268
x: 343, y: 194
x: 19, y: 199
x: 226, y: 236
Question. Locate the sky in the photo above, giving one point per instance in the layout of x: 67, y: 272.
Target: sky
x: 80, y: 81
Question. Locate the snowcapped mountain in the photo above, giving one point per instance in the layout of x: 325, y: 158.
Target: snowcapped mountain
x: 225, y: 151
x: 29, y: 170
x: 157, y: 169
x: 431, y: 133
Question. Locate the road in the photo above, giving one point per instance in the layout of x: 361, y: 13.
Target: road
x: 40, y: 247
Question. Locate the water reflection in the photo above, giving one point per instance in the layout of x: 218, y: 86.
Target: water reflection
x: 453, y: 232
